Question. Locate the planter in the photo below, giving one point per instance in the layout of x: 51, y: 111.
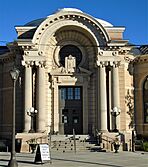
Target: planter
x: 33, y: 147
x: 116, y: 147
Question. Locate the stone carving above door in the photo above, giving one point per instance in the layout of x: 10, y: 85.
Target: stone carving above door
x: 70, y: 64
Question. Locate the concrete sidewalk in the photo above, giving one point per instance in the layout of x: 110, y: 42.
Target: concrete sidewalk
x: 81, y: 159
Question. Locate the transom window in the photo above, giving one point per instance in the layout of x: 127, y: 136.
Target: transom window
x: 70, y: 50
x: 70, y: 93
x: 145, y: 99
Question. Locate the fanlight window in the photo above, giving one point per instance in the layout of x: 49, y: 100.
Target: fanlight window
x: 145, y: 99
x: 70, y: 50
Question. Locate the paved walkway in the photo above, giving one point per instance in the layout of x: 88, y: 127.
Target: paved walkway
x: 81, y: 159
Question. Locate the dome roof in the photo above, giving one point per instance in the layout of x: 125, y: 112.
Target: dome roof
x: 69, y: 10
x: 36, y: 22
x: 104, y: 23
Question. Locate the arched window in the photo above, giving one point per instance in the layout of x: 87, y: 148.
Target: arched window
x: 70, y: 50
x: 145, y: 99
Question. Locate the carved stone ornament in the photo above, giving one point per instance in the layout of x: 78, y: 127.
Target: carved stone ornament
x: 70, y: 64
x: 127, y: 59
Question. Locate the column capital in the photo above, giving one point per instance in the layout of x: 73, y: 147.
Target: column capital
x: 102, y: 63
x: 41, y: 64
x: 116, y: 63
x: 27, y: 63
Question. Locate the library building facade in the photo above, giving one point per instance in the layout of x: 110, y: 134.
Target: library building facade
x: 77, y: 73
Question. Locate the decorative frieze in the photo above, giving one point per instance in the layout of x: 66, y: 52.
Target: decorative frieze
x: 33, y: 53
x: 9, y: 57
x: 108, y: 53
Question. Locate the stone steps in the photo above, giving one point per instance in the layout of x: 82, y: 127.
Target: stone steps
x: 66, y: 144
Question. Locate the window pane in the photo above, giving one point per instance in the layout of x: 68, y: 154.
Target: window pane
x: 63, y: 93
x: 64, y: 119
x: 146, y: 119
x: 70, y: 93
x: 146, y: 85
x: 77, y: 93
x: 75, y: 120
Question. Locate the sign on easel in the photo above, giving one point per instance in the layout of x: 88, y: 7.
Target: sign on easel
x: 42, y: 153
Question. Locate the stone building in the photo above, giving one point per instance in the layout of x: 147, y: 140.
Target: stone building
x: 140, y: 73
x: 74, y: 70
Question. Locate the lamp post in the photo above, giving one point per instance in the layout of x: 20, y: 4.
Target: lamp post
x: 13, y: 163
x: 32, y: 112
x: 115, y: 112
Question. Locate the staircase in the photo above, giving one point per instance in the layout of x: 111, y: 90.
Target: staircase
x: 60, y: 143
x: 69, y: 143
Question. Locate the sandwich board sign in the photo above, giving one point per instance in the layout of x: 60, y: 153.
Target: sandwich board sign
x: 42, y: 153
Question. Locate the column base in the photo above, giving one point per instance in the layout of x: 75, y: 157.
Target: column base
x: 115, y: 130
x: 40, y: 131
x: 25, y: 131
x: 31, y: 131
x: 103, y: 131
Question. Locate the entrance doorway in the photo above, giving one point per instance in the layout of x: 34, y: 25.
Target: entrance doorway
x: 71, y: 113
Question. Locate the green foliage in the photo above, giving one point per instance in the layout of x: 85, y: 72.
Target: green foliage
x: 32, y: 141
x: 145, y: 146
x: 129, y: 99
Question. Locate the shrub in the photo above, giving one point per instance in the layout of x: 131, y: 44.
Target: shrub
x: 145, y: 146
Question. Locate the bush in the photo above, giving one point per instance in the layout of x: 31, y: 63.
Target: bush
x: 145, y: 146
x: 139, y: 145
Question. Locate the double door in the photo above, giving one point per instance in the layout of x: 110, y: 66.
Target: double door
x: 71, y: 116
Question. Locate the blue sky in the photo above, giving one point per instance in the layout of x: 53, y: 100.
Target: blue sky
x: 133, y: 14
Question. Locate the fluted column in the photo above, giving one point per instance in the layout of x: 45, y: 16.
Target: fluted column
x: 115, y: 89
x: 28, y: 95
x: 103, y: 99
x: 41, y: 119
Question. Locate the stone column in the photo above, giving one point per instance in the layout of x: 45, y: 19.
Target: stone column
x: 28, y: 95
x: 115, y: 90
x: 41, y: 99
x: 103, y: 99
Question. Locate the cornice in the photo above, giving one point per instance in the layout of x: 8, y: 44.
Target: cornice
x: 8, y: 57
x: 141, y: 59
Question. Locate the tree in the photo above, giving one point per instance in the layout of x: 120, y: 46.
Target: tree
x: 129, y: 99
